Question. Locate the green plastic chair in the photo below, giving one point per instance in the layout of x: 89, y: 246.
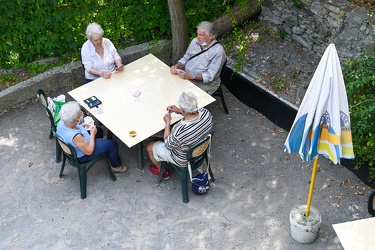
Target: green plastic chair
x: 371, y: 203
x: 43, y: 100
x: 219, y: 91
x: 196, y: 155
x: 70, y: 154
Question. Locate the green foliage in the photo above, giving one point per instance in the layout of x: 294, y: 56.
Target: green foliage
x: 360, y: 85
x: 297, y: 4
x: 367, y: 4
x: 209, y: 10
x: 240, y: 40
x: 37, y: 68
x: 39, y: 29
x: 33, y: 30
x: 6, y: 79
x: 279, y: 82
x: 283, y: 34
x: 45, y: 28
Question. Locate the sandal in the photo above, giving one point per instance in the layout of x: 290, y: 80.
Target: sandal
x: 121, y: 169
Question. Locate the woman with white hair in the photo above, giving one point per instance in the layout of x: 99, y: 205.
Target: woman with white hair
x: 99, y: 55
x: 195, y: 124
x: 86, y: 145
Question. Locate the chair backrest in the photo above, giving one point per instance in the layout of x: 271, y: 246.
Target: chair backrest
x: 68, y: 150
x: 198, y: 151
x: 223, y: 69
x: 43, y: 100
x: 371, y: 203
x: 42, y: 97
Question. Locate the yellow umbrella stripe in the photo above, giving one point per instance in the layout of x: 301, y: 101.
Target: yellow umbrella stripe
x: 328, y: 149
x: 346, y: 137
x: 332, y: 138
x: 347, y: 151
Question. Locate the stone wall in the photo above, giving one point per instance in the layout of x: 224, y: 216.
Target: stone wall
x: 316, y: 23
x: 73, y: 74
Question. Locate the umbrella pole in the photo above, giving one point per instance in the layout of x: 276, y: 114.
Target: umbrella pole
x: 313, y: 174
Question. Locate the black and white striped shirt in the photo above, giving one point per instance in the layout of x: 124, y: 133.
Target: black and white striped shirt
x: 186, y: 133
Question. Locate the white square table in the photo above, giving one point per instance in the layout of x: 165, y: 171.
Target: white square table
x: 356, y: 235
x: 122, y: 112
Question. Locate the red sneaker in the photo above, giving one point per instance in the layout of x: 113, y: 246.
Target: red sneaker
x: 155, y: 171
x: 165, y: 175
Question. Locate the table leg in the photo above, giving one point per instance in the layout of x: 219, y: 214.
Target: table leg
x: 109, y: 134
x: 140, y: 155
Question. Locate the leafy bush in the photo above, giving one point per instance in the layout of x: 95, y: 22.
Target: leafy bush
x: 360, y: 85
x: 39, y: 29
x: 47, y: 28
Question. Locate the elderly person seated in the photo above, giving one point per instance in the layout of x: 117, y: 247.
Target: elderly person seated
x: 195, y: 124
x: 203, y: 60
x: 99, y: 55
x: 86, y: 145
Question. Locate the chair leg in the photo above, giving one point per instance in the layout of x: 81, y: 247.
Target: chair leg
x: 109, y: 134
x: 184, y: 185
x: 62, y: 167
x: 58, y: 151
x: 108, y: 165
x: 140, y: 155
x: 83, y: 181
x: 219, y: 92
x: 162, y: 167
x: 211, y: 174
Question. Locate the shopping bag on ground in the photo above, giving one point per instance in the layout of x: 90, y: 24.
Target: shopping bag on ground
x: 200, y: 183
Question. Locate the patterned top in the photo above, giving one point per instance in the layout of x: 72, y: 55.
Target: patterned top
x: 186, y: 133
x: 208, y: 64
x: 91, y: 59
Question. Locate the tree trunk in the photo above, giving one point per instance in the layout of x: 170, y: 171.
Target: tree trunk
x: 223, y: 24
x: 179, y: 29
x: 241, y: 14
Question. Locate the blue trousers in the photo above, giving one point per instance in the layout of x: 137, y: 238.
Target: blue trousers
x: 104, y: 146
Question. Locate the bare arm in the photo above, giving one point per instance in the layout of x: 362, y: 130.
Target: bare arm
x: 167, y: 130
x: 86, y: 147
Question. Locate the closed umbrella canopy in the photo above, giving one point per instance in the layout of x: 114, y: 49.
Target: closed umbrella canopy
x: 322, y: 124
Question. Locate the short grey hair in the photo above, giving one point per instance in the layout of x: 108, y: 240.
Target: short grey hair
x: 208, y: 27
x: 69, y: 112
x: 94, y: 30
x: 188, y: 102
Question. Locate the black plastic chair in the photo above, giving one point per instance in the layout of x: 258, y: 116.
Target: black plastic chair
x: 371, y: 203
x: 196, y: 155
x: 71, y: 155
x: 43, y: 100
x: 219, y: 91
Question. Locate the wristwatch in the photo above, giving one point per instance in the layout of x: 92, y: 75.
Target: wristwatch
x: 193, y: 77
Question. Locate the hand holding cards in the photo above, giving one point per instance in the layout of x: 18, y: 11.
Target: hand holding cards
x: 89, y: 122
x: 120, y: 68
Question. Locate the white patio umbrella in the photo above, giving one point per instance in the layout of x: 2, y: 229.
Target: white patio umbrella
x: 322, y: 124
